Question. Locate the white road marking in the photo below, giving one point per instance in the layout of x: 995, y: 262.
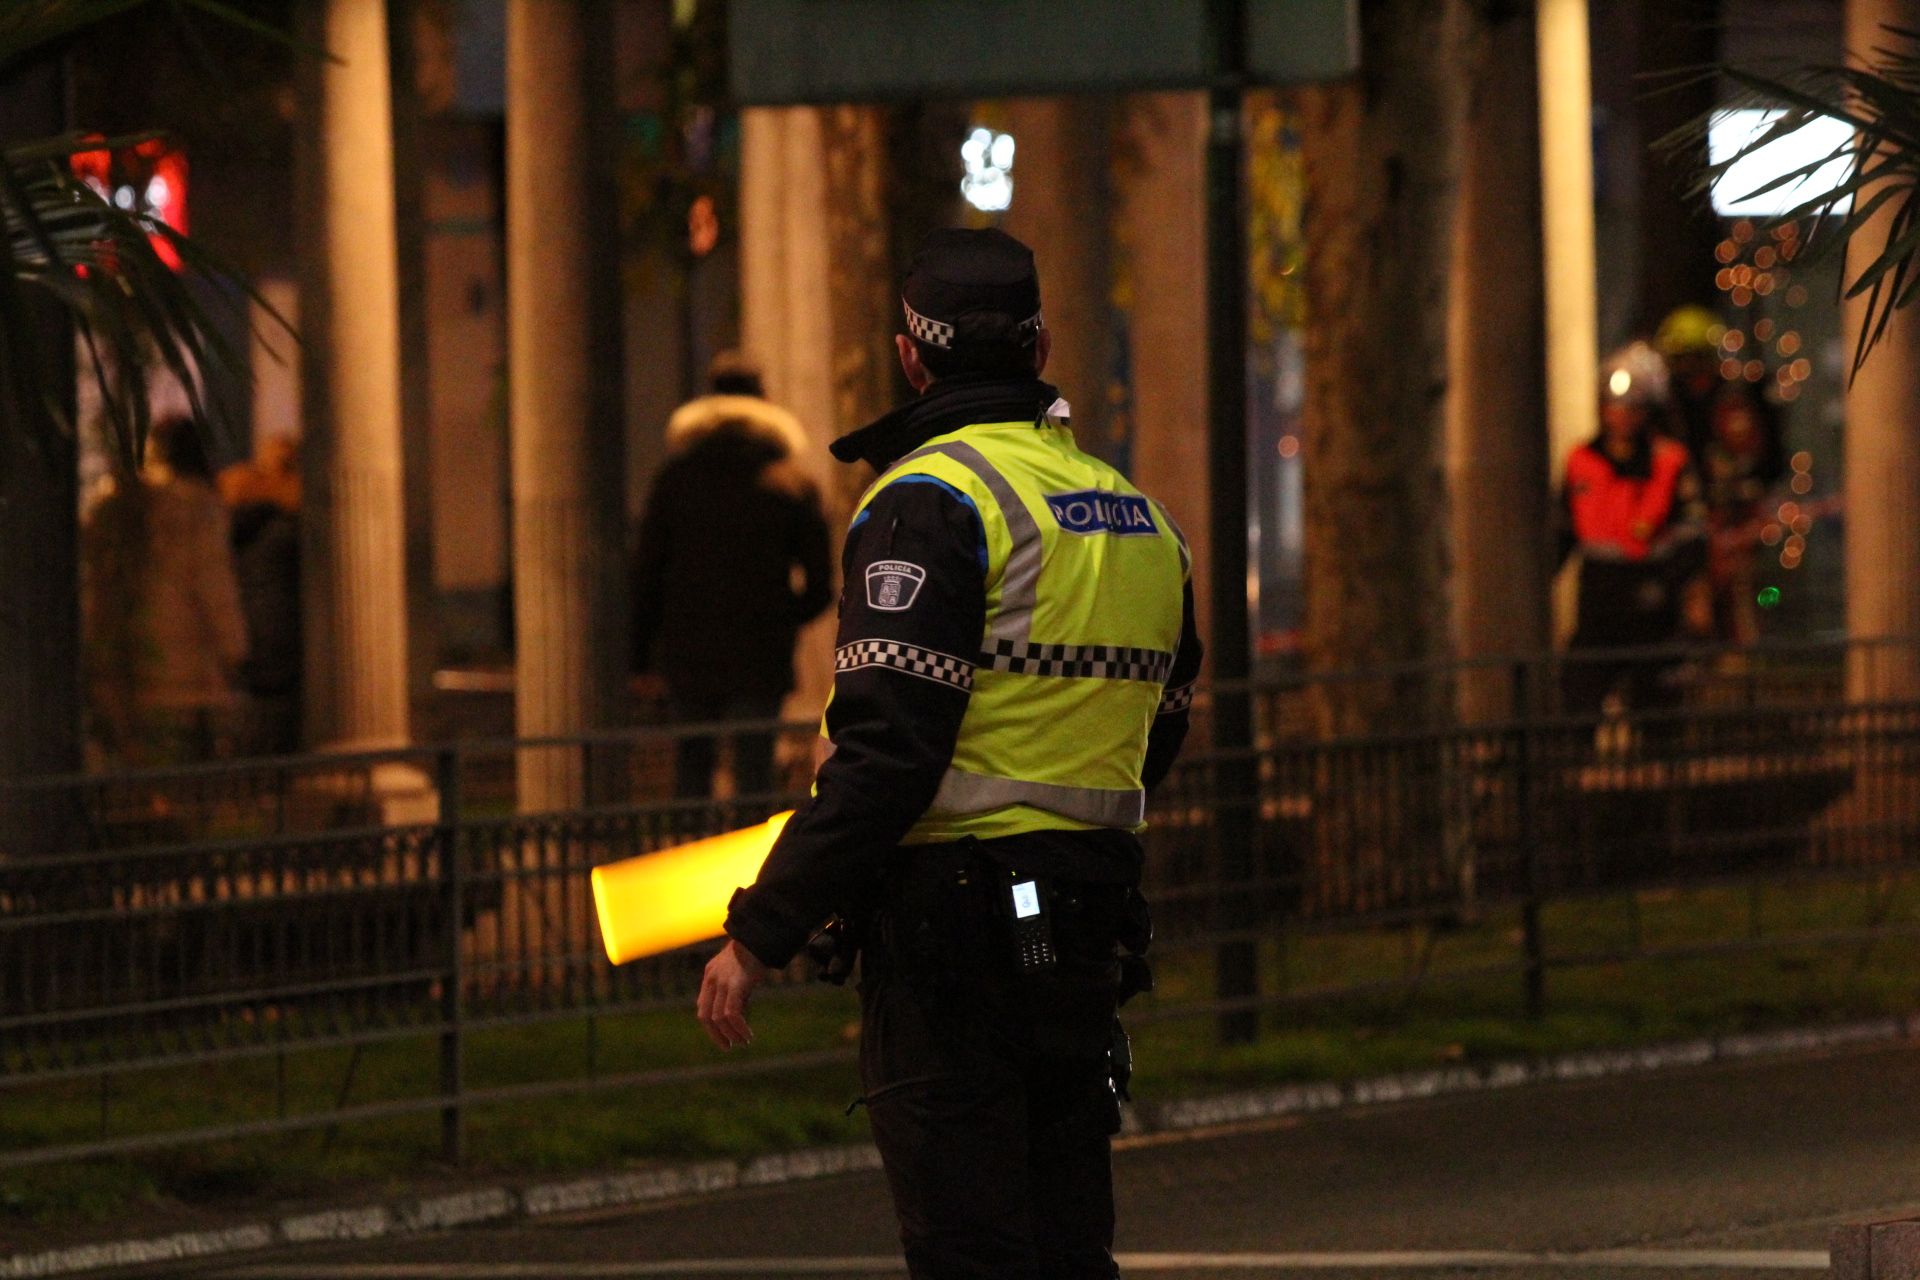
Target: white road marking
x: 1735, y: 1260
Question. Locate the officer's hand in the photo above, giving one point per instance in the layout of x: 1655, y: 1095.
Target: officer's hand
x: 729, y: 982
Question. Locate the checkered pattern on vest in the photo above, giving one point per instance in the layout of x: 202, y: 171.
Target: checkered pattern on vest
x: 928, y: 664
x: 1090, y: 661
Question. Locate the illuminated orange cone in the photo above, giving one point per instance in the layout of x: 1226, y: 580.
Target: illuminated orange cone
x: 677, y: 896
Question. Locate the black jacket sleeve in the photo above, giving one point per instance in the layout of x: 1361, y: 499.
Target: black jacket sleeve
x: 912, y: 613
x: 1169, y: 729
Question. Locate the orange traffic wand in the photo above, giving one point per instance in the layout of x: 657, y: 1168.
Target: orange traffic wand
x: 675, y: 897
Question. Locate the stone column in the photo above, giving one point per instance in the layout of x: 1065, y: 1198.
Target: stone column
x: 1883, y: 438
x: 1161, y: 193
x: 355, y: 533
x: 1062, y: 210
x: 564, y: 387
x: 816, y: 302
x: 1497, y: 427
x: 1566, y: 182
x: 786, y: 305
x: 786, y: 317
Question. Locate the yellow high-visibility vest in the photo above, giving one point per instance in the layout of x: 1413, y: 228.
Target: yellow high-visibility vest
x: 1084, y: 580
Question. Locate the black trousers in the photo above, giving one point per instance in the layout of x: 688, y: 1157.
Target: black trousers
x: 988, y: 1087
x: 694, y: 756
x: 1622, y: 605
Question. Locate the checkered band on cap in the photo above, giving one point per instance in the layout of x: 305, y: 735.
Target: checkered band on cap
x: 938, y: 333
x: 934, y: 333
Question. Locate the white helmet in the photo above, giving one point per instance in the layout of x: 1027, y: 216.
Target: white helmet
x: 1635, y: 375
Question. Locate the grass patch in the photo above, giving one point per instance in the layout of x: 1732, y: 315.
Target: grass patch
x: 1451, y: 1014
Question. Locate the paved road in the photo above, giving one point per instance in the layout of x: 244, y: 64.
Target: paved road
x: 1732, y: 1170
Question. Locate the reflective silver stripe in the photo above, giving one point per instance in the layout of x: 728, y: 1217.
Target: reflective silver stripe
x: 964, y: 792
x: 1186, y: 556
x: 1020, y: 583
x: 1078, y: 661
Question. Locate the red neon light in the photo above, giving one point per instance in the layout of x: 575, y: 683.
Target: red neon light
x: 149, y: 179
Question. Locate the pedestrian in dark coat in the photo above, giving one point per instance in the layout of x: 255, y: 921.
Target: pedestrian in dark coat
x: 732, y: 561
x: 264, y: 497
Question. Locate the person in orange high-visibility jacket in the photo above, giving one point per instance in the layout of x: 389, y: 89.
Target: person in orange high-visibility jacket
x: 1015, y: 663
x: 1632, y: 510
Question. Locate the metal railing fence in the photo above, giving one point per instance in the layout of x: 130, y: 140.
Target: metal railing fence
x: 181, y: 918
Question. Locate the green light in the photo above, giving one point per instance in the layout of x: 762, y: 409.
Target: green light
x: 1768, y: 597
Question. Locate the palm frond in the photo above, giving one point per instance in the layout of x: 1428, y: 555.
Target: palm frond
x: 98, y: 262
x: 1878, y: 164
x: 62, y: 241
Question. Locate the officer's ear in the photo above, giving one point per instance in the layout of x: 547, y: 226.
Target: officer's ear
x: 1042, y: 348
x: 918, y: 376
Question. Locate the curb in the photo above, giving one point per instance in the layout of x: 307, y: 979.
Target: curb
x: 1409, y: 1086
x: 494, y: 1205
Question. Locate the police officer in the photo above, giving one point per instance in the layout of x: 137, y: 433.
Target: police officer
x: 1015, y: 660
x: 1631, y: 507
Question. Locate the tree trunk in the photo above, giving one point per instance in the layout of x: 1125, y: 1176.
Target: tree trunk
x: 862, y: 285
x: 1497, y: 448
x: 1883, y: 435
x: 1160, y: 198
x: 1062, y: 209
x: 40, y: 692
x: 1383, y: 154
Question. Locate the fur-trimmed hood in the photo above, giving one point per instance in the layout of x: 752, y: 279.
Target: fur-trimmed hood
x: 697, y: 419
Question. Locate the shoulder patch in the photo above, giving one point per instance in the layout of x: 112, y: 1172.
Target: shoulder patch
x: 892, y: 585
x: 1096, y: 511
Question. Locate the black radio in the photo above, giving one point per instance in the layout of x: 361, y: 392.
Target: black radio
x: 1032, y: 924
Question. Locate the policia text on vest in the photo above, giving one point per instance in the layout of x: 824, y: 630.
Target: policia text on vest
x: 1014, y: 666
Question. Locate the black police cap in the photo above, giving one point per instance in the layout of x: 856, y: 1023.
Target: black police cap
x: 969, y: 287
